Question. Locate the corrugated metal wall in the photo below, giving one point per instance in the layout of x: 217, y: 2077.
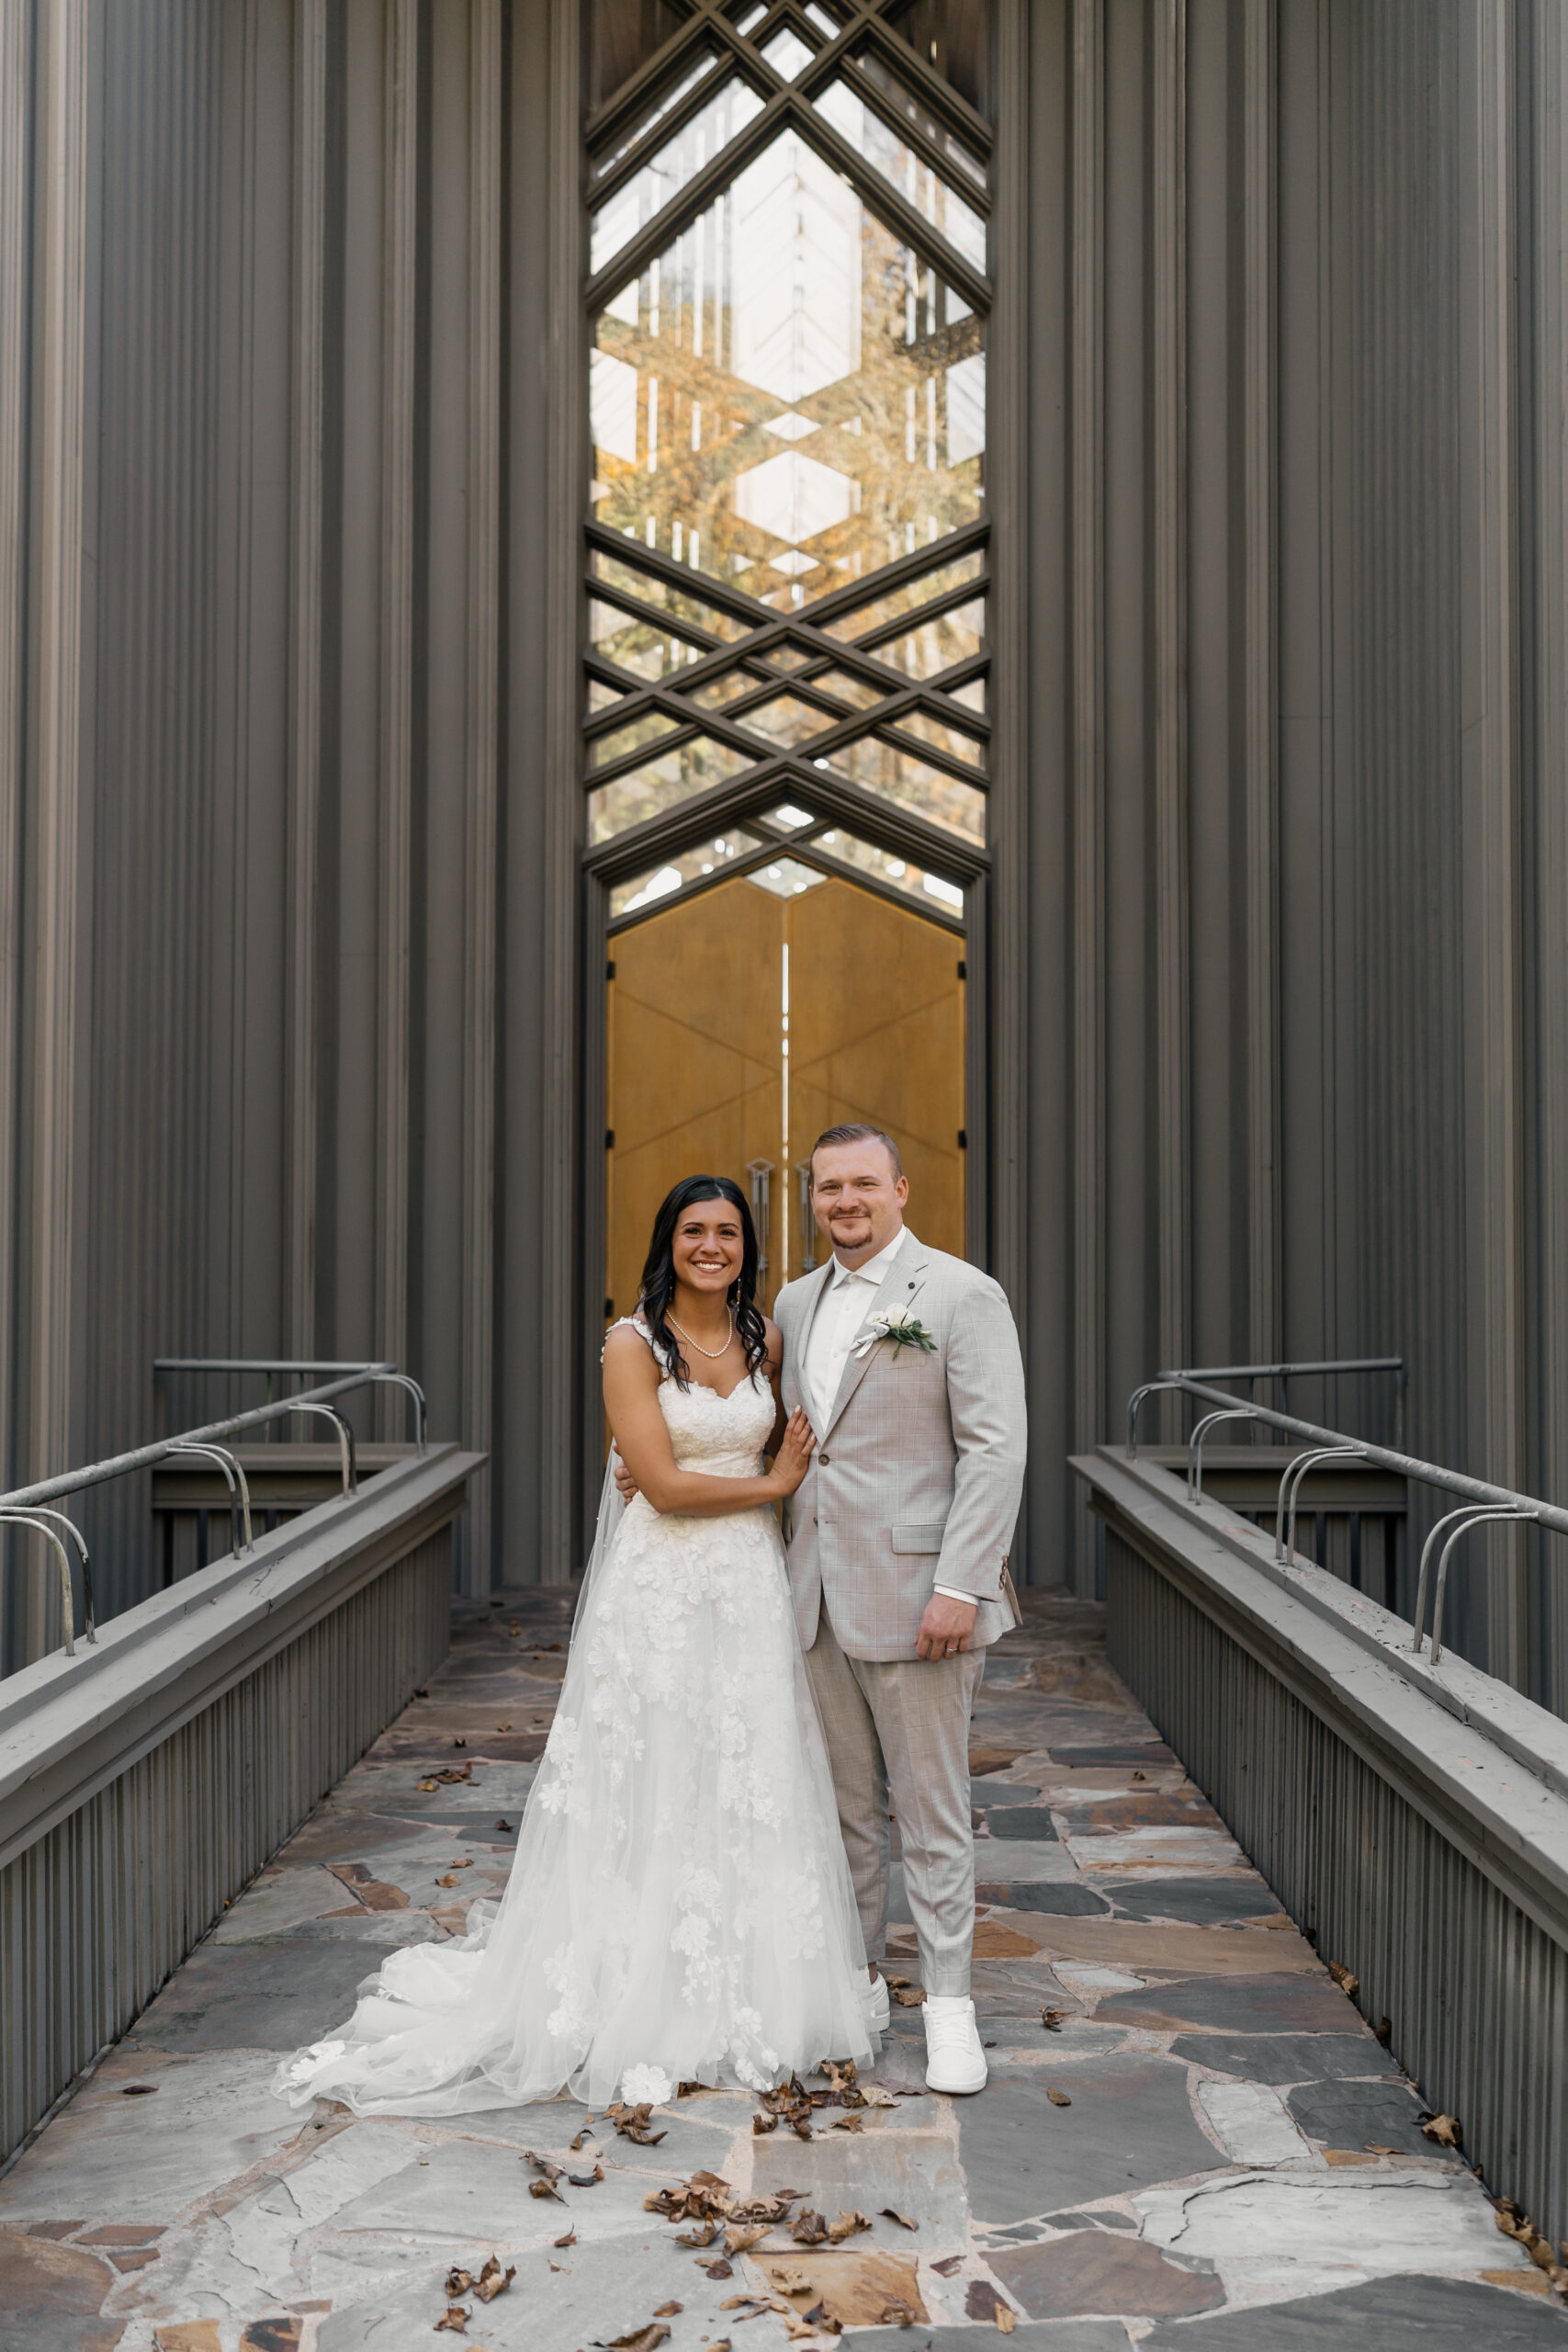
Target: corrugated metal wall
x: 290, y: 936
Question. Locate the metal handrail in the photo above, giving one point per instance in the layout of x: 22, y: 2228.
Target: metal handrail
x: 37, y: 1520
x: 1149, y: 1388
x: 146, y: 1457
x: 1465, y: 1510
x: 1285, y: 1532
x: 1195, y: 1443
x: 1285, y: 1372
x: 1475, y: 1519
x: 380, y: 1375
x: 233, y: 1473
x: 344, y: 1440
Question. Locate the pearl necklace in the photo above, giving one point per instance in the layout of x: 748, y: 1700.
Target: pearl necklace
x: 712, y: 1354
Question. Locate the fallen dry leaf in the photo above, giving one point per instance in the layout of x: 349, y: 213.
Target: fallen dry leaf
x: 1052, y: 2019
x: 849, y: 2123
x: 427, y: 1784
x: 821, y: 2320
x: 848, y: 2225
x: 1376, y: 2148
x: 788, y: 2281
x: 543, y: 2189
x: 138, y: 2091
x: 719, y: 2269
x: 1140, y: 1776
x: 897, y: 2315
x: 504, y: 1824
x: 743, y: 2302
x: 844, y: 2083
x: 809, y: 2228
x: 1056, y: 2097
x: 632, y: 2122
x: 790, y: 2103
x: 949, y: 2267
x: 1349, y: 1985
x: 641, y: 2339
x: 685, y: 2090
x: 1007, y: 2318
x: 465, y: 1865
x: 504, y: 1726
x: 569, y: 2239
x: 704, y: 2235
x: 548, y: 2175
x: 668, y: 2311
x: 587, y: 2179
x: 422, y: 1694
x: 763, y: 2123
x: 902, y: 2219
x: 739, y: 2241
x: 1444, y: 2129
x: 455, y: 2317
x: 448, y: 1881
x: 492, y: 2281
x: 1385, y: 2030
x: 576, y: 2144
x: 877, y: 2096
x: 459, y: 1743
x: 459, y: 2283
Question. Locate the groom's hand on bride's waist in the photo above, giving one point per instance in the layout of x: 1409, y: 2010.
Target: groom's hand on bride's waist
x: 945, y: 1628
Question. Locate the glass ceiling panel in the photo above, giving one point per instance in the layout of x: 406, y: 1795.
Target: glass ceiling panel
x: 916, y: 880
x: 715, y: 693
x: 655, y: 113
x: 784, y: 399
x: 666, y: 173
x: 673, y: 873
x: 937, y: 644
x: 876, y: 69
x: 909, y: 784
x: 950, y: 739
x: 605, y: 749
x: 651, y: 652
x: 664, y: 783
x: 786, y: 54
x: 972, y: 694
x: 930, y: 585
x: 786, y: 877
x: 601, y: 696
x: 674, y: 600
x: 787, y: 720
x: 963, y: 228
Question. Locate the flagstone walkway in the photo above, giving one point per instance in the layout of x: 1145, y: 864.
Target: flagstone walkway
x: 1205, y: 2149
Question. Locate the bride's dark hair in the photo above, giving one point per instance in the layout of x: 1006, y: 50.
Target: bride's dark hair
x: 659, y: 1275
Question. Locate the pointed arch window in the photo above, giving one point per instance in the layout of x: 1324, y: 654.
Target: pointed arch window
x: 787, y: 546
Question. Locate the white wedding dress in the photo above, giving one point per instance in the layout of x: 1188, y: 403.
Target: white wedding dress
x: 680, y: 1907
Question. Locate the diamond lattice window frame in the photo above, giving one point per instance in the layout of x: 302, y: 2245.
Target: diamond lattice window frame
x: 868, y: 58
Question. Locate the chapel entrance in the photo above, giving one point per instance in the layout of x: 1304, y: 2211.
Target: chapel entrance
x: 745, y: 1020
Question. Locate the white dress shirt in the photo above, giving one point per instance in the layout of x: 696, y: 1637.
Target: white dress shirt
x: 842, y: 1314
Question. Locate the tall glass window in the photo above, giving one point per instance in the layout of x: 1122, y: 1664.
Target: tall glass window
x: 786, y: 572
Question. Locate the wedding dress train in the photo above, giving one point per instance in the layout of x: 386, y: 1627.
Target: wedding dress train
x: 680, y: 1907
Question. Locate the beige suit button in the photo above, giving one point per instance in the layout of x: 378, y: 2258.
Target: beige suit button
x: 824, y: 1459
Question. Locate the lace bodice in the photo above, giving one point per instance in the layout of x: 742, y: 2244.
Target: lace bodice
x: 723, y: 1436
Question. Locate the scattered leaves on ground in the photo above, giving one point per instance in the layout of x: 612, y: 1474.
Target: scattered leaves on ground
x: 504, y: 1726
x: 743, y: 2238
x: 717, y: 2268
x: 428, y: 1785
x: 569, y: 2239
x: 743, y: 2303
x: 897, y: 2315
x: 422, y: 1694
x: 641, y: 2339
x: 459, y: 1743
x: 849, y: 2123
x: 548, y: 2175
x: 459, y: 2283
x: 848, y: 2225
x: 685, y: 2090
x: 632, y: 2122
x: 902, y: 2219
x: 1349, y: 1985
x: 1007, y: 2318
x: 875, y: 2096
x: 138, y: 2091
x: 1444, y: 2129
x: 790, y: 2282
x: 453, y: 2317
x: 843, y: 2084
x: 1053, y: 2019
x: 578, y: 2142
x: 668, y: 2311
x: 493, y: 2281
x: 1376, y: 2148
x: 809, y: 2228
x: 698, y: 2237
x: 763, y: 2123
x: 1385, y: 2030
x: 791, y: 2103
x: 1056, y: 2097
x: 587, y: 2179
x: 949, y: 2267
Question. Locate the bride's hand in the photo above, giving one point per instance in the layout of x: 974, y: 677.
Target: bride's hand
x: 793, y: 1457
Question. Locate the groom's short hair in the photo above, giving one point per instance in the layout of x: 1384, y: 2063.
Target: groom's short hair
x: 855, y: 1132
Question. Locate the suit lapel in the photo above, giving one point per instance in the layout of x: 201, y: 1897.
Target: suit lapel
x: 801, y: 1319
x: 897, y: 1287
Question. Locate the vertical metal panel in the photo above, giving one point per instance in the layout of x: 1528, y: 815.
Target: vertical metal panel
x: 1476, y: 1992
x: 99, y: 1912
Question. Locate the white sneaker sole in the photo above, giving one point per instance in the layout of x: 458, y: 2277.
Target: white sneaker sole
x: 957, y: 2083
x: 877, y: 2013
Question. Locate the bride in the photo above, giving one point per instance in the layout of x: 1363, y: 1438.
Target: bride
x: 680, y: 1907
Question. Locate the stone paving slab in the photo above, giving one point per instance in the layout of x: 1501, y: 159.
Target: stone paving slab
x: 1208, y: 2185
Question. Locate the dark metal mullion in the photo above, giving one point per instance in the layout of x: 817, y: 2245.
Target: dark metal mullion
x: 870, y: 722
x: 945, y: 101
x: 958, y: 182
x: 894, y: 210
x: 672, y: 218
x: 735, y: 802
x: 734, y: 869
x: 962, y: 593
x: 879, y: 194
x: 959, y: 673
x: 658, y: 134
x: 832, y: 869
x: 688, y: 723
x: 636, y: 610
x: 896, y: 574
x: 635, y: 92
x: 660, y: 566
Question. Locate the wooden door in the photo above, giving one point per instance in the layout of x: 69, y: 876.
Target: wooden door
x: 742, y: 1024
x: 877, y: 1034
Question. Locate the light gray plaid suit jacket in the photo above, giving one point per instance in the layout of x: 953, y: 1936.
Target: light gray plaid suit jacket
x: 917, y: 1476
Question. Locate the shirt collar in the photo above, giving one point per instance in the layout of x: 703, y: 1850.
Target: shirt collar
x: 873, y: 1268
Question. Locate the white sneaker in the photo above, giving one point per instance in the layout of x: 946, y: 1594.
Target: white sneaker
x: 875, y: 2003
x: 955, y: 2060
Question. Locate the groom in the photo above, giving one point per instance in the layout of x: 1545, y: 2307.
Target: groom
x: 906, y: 1362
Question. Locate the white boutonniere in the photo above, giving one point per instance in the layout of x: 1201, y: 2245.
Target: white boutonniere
x: 901, y: 1329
